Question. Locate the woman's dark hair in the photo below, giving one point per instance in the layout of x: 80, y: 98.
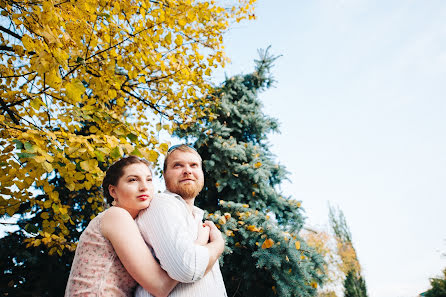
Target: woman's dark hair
x: 115, y: 171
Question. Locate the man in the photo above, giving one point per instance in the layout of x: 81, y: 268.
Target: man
x: 170, y: 227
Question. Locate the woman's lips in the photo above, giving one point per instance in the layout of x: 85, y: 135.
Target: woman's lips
x: 143, y: 197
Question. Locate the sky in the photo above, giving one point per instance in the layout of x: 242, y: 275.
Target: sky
x: 360, y: 98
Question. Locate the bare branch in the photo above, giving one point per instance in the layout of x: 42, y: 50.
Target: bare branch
x: 13, y: 34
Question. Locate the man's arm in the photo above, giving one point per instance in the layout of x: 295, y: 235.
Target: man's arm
x: 165, y: 227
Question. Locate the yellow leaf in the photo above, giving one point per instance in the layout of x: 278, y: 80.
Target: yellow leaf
x: 45, y: 215
x: 152, y: 156
x: 253, y: 228
x: 39, y: 159
x: 47, y: 204
x: 10, y: 211
x: 168, y: 38
x: 229, y: 233
x: 75, y: 90
x: 179, y: 40
x: 47, y: 166
x: 164, y: 147
x: 297, y: 245
x: 36, y: 103
x: 257, y: 165
x: 267, y: 243
x: 120, y: 101
x: 85, y: 165
x: 182, y: 22
x: 70, y: 186
x: 37, y: 242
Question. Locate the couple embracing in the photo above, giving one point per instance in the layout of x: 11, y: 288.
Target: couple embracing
x: 161, y: 250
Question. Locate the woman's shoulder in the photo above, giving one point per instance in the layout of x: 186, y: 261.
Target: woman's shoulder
x: 112, y: 218
x: 115, y: 212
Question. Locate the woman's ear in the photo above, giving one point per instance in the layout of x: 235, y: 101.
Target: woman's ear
x: 112, y: 191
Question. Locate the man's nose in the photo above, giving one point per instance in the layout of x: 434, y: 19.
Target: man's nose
x: 187, y: 170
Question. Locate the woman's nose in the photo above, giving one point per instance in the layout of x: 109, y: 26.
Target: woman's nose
x: 143, y: 185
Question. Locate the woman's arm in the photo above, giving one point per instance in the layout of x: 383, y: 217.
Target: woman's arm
x: 119, y: 227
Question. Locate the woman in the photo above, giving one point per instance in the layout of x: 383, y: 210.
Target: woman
x: 111, y: 255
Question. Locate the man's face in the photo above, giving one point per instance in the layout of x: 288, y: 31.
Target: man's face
x: 183, y: 174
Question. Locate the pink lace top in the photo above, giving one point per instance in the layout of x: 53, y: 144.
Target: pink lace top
x: 96, y: 269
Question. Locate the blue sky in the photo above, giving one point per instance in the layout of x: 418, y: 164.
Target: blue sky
x: 360, y: 98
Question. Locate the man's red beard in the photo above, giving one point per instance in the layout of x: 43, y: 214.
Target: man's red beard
x: 186, y: 190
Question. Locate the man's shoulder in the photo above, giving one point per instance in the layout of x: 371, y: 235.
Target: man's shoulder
x: 166, y: 199
x: 162, y: 202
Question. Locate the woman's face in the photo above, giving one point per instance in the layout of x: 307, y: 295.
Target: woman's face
x: 134, y: 189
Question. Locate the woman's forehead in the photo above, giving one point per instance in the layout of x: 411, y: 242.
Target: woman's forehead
x: 136, y: 168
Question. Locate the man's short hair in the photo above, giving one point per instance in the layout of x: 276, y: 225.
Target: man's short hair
x: 180, y: 147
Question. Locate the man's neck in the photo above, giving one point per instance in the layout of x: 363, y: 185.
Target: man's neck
x: 190, y: 203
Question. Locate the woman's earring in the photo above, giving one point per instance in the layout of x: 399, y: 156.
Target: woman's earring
x: 113, y: 203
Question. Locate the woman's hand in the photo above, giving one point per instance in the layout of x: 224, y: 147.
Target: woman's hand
x: 203, y: 234
x: 215, y: 234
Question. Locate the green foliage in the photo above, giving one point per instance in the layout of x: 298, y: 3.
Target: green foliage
x: 339, y: 224
x: 438, y: 287
x: 31, y: 269
x: 264, y: 256
x: 354, y: 285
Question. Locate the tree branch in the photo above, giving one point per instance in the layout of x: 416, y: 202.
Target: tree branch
x: 9, y: 111
x: 13, y: 34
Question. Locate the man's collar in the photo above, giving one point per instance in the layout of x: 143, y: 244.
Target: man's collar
x: 196, y: 211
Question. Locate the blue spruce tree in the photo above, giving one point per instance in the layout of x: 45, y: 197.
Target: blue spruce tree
x: 265, y: 256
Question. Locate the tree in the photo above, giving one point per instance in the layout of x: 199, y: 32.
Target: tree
x: 30, y: 270
x: 265, y: 255
x: 438, y: 287
x: 354, y: 284
x: 325, y: 244
x: 83, y: 83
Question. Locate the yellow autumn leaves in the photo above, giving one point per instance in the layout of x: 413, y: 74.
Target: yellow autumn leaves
x: 86, y: 82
